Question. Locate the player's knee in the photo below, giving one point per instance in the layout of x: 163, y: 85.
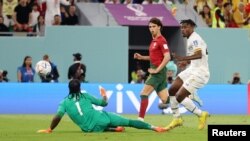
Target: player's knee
x: 144, y: 93
x: 179, y: 98
x: 172, y: 91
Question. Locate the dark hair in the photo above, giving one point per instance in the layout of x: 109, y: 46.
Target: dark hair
x: 188, y: 21
x: 57, y: 15
x: 78, y: 56
x: 156, y: 21
x: 236, y: 80
x: 25, y: 58
x: 74, y: 89
x: 5, y: 73
x: 39, y: 17
x: 45, y: 57
x: 226, y: 4
x: 203, y: 14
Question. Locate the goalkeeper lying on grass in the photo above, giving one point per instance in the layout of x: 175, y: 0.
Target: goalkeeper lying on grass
x: 79, y: 108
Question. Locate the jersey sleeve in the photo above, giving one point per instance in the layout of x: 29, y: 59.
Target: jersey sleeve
x: 164, y: 47
x: 196, y: 45
x: 61, y: 109
x: 98, y: 102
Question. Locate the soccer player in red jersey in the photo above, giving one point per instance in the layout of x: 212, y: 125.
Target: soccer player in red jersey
x: 158, y: 56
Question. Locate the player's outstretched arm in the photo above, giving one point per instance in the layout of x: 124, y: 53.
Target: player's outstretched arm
x: 97, y: 101
x: 103, y: 93
x: 141, y: 57
x: 197, y: 55
x: 54, y: 123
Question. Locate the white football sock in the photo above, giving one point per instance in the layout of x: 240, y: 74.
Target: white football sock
x: 189, y: 105
x: 174, y: 104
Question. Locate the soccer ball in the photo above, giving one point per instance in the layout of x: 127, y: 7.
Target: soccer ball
x: 43, y: 67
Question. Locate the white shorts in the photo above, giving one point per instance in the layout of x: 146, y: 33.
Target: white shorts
x: 194, y: 79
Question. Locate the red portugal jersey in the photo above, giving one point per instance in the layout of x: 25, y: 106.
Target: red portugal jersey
x: 158, y: 47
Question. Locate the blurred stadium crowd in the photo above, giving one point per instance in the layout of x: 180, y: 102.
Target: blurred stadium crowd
x: 33, y: 15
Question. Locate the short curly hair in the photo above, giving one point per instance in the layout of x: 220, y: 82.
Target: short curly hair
x: 189, y: 22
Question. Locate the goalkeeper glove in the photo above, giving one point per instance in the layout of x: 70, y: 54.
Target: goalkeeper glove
x: 102, y: 91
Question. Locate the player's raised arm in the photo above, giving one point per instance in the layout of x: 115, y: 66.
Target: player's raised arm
x: 103, y: 93
x: 99, y: 102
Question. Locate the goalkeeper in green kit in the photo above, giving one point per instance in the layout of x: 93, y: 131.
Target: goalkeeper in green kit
x: 79, y: 108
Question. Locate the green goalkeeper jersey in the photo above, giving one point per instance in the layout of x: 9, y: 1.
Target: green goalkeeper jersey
x: 81, y: 111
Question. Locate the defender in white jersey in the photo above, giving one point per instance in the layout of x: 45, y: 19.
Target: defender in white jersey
x: 194, y: 77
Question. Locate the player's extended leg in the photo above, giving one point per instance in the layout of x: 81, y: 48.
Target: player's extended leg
x: 195, y: 97
x: 182, y: 97
x: 115, y: 129
x: 174, y: 104
x: 143, y: 125
x: 146, y: 91
x: 119, y: 121
x: 155, y: 82
x: 164, y: 96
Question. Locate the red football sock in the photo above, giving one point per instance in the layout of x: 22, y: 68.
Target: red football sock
x: 144, y: 105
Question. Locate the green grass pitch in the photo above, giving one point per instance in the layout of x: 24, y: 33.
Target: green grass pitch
x: 24, y: 127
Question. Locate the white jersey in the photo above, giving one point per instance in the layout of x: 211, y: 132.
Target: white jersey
x: 197, y: 74
x: 195, y: 43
